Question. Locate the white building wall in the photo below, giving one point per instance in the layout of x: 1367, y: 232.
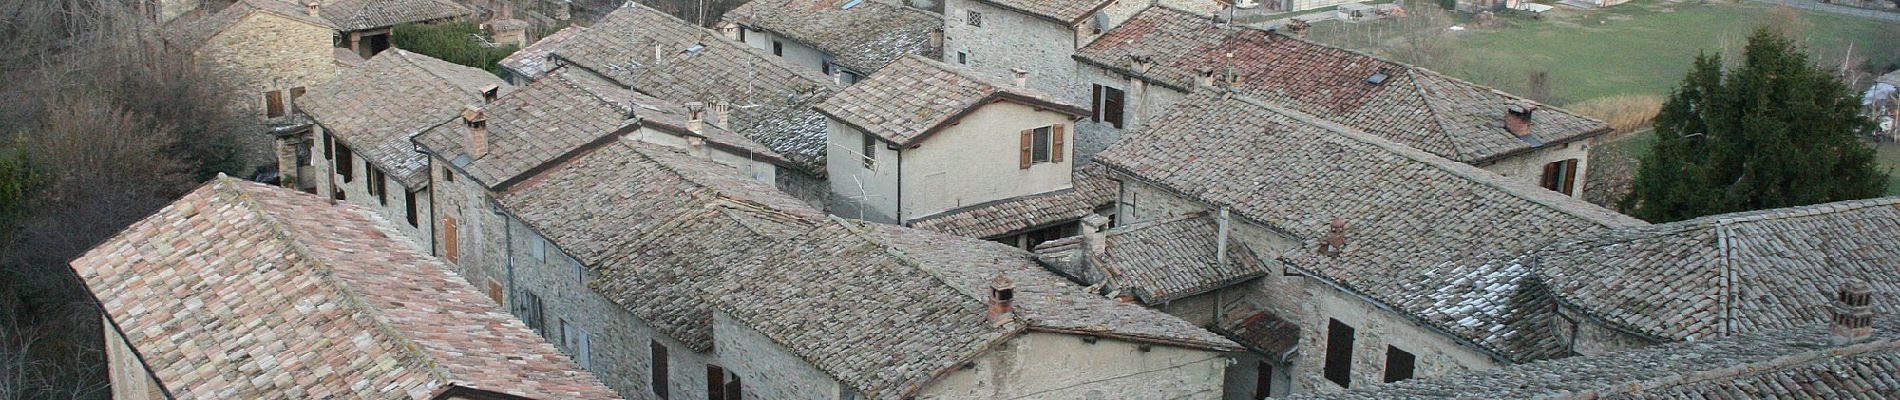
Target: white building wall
x: 1529, y: 167
x: 759, y: 170
x: 858, y: 190
x: 796, y: 52
x: 979, y: 160
x: 1055, y: 366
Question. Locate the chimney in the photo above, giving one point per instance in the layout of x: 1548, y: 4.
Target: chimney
x: 312, y: 8
x: 722, y: 114
x: 1094, y: 236
x: 936, y: 38
x: 1335, y: 242
x: 1853, y: 320
x: 1207, y: 76
x: 696, y: 117
x: 696, y: 146
x: 1002, y: 299
x: 1517, y: 118
x: 490, y: 92
x: 729, y: 30
x: 1138, y: 63
x: 477, y: 123
x: 1220, y: 238
x: 563, y: 10
x: 1021, y: 76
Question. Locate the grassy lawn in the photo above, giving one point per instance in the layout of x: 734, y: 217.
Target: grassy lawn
x: 1889, y: 155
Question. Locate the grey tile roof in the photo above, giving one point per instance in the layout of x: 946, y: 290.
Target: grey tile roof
x: 356, y: 15
x: 374, y: 109
x: 241, y: 290
x: 914, y: 97
x: 1161, y: 261
x: 864, y: 38
x: 1414, y: 106
x: 1891, y: 78
x: 1092, y: 191
x: 771, y: 98
x: 1731, y: 273
x: 1259, y: 330
x: 1063, y: 11
x: 656, y: 225
x: 1414, y: 220
x: 190, y: 33
x: 885, y: 309
x: 1796, y: 363
x: 532, y: 62
x: 559, y: 115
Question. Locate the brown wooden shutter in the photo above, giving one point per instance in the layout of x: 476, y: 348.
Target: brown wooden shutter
x: 1055, y: 148
x: 715, y: 382
x: 735, y: 390
x: 295, y: 93
x: 1550, y: 175
x: 448, y: 239
x: 1570, y: 176
x: 1095, y: 107
x: 1029, y: 138
x: 274, y: 103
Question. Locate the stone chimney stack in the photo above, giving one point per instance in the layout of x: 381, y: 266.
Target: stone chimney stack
x: 1206, y: 75
x: 1094, y: 237
x: 312, y: 8
x: 1221, y: 227
x: 696, y: 146
x: 696, y: 117
x: 1021, y: 76
x: 1335, y: 241
x: 563, y: 10
x: 1002, y: 300
x: 1139, y: 63
x: 1853, y: 320
x: 1517, y: 118
x: 476, y: 123
x: 722, y: 114
x: 729, y: 30
x: 490, y: 93
x: 936, y: 38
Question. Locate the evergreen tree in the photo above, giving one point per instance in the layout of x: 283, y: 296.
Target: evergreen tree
x: 1774, y: 132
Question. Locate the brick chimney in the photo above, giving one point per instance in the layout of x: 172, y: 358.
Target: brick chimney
x: 1021, y: 76
x: 696, y: 117
x: 1517, y: 118
x: 1853, y: 320
x: 1002, y: 300
x: 1335, y: 241
x: 476, y: 123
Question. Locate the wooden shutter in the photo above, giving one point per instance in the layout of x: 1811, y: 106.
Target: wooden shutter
x: 715, y: 382
x: 1570, y: 176
x: 1095, y: 113
x: 1550, y: 175
x: 295, y: 93
x: 1398, y: 364
x: 1112, y: 107
x: 1263, y: 380
x: 1029, y: 142
x: 448, y: 239
x: 409, y: 207
x: 1055, y: 143
x: 274, y: 103
x: 658, y: 351
x: 734, y: 390
x: 494, y: 291
x: 1339, y: 338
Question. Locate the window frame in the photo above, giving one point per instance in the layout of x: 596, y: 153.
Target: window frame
x: 973, y: 18
x: 869, y: 147
x: 410, y: 213
x: 1394, y: 371
x: 1117, y: 115
x: 659, y: 381
x: 1339, y: 346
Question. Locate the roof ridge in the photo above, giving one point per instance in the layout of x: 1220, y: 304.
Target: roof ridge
x: 234, y: 189
x: 1444, y: 129
x: 1464, y: 171
x: 704, y: 32
x: 1803, y: 211
x: 1811, y: 357
x: 409, y: 56
x: 569, y: 82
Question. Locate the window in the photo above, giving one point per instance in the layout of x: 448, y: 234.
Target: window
x: 1108, y: 105
x: 409, y: 208
x: 345, y: 164
x: 578, y: 343
x: 963, y: 58
x: 778, y: 48
x: 294, y: 94
x: 274, y: 103
x: 659, y: 369
x: 1263, y: 380
x: 449, y: 235
x: 1561, y: 176
x: 742, y: 34
x: 540, y: 248
x: 378, y: 183
x: 447, y: 175
x: 869, y: 149
x: 580, y: 271
x: 1398, y: 364
x: 974, y: 18
x: 1042, y: 145
x: 721, y: 384
x: 528, y: 307
x: 1339, y: 353
x: 329, y: 151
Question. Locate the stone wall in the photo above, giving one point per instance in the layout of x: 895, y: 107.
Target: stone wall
x: 356, y: 191
x: 619, y: 349
x: 130, y: 380
x: 1007, y: 40
x: 1590, y: 336
x: 267, y: 52
x: 766, y: 369
x: 1142, y: 102
x: 1064, y: 366
x: 860, y: 190
x: 794, y: 51
x: 1528, y: 167
x: 815, y: 191
x: 480, y: 254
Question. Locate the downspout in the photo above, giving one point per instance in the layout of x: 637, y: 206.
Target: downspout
x: 900, y: 186
x: 432, y: 189
x: 508, y: 248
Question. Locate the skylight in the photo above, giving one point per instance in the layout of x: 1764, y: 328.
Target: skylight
x: 853, y: 3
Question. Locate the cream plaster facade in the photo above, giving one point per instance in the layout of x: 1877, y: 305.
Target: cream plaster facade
x: 975, y: 159
x: 1528, y: 167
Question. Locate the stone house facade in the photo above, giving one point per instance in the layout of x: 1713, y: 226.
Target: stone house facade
x: 272, y: 52
x: 995, y: 37
x: 847, y: 40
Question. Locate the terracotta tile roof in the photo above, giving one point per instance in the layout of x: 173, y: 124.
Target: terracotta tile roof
x: 1796, y: 363
x: 190, y: 33
x: 374, y: 109
x: 1062, y: 11
x: 1414, y: 106
x: 1158, y: 261
x: 241, y: 290
x: 656, y: 225
x: 1093, y: 190
x: 532, y: 62
x: 771, y: 98
x: 356, y: 15
x: 863, y: 38
x: 559, y: 115
x: 1414, y: 219
x: 914, y: 97
x: 1732, y: 273
x: 1260, y: 331
x: 885, y: 309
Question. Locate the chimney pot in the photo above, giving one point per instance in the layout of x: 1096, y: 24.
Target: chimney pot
x: 696, y: 117
x: 1021, y: 76
x: 1853, y: 314
x: 476, y: 122
x: 1517, y: 118
x: 1002, y: 300
x: 1335, y: 238
x: 490, y: 92
x: 722, y: 114
x: 312, y: 8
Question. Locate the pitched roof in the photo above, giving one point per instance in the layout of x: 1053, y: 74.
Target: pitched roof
x: 241, y: 290
x: 1414, y: 106
x: 1414, y: 219
x: 190, y: 33
x: 1160, y: 261
x: 374, y: 109
x: 656, y: 225
x: 1732, y: 273
x: 1259, y: 330
x: 864, y: 37
x: 559, y: 115
x: 356, y: 15
x: 914, y: 97
x: 1061, y: 11
x: 1092, y: 190
x: 1891, y: 78
x: 532, y: 61
x: 1796, y: 363
x: 660, y: 55
x: 886, y: 309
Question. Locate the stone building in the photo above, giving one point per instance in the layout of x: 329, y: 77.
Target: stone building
x: 363, y: 26
x: 1380, y: 245
x: 1719, y: 275
x: 362, y: 123
x: 996, y: 37
x: 767, y: 98
x: 922, y: 138
x: 242, y: 290
x: 269, y: 51
x: 846, y: 39
x: 532, y: 62
x: 1161, y: 55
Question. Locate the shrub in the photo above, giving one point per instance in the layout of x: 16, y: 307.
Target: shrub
x: 458, y: 42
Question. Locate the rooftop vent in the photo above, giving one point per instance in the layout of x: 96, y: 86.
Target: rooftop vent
x: 490, y: 92
x: 694, y: 49
x: 1335, y: 243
